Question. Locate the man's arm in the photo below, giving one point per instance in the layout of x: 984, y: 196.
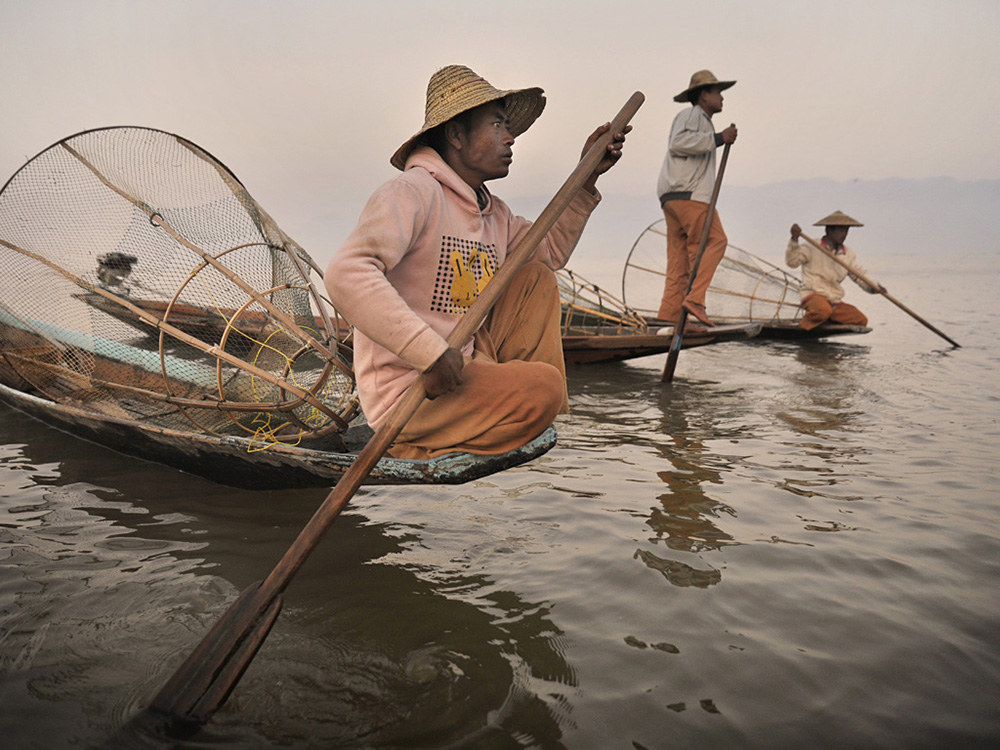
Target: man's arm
x: 445, y: 374
x: 852, y: 261
x: 691, y: 135
x: 561, y: 240
x: 794, y: 256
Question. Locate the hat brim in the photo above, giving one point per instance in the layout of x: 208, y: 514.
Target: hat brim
x: 838, y: 219
x: 683, y: 96
x: 523, y: 108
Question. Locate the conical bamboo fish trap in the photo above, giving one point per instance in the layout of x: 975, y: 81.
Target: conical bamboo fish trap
x: 141, y: 280
x: 745, y: 288
x: 586, y: 308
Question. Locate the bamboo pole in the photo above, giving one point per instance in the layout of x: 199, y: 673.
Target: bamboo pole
x: 675, y: 344
x: 881, y: 290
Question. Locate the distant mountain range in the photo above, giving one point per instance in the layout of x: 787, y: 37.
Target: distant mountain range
x: 939, y: 216
x: 901, y: 217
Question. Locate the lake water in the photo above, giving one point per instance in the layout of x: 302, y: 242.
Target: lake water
x: 793, y: 545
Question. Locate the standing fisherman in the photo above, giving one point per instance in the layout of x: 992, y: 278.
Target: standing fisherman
x: 426, y: 244
x: 822, y: 294
x: 685, y: 188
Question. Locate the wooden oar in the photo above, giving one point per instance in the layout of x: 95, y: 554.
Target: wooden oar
x: 675, y: 344
x: 881, y: 290
x: 203, y: 682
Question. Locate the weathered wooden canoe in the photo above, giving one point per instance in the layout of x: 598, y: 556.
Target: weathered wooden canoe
x: 745, y: 289
x: 782, y: 331
x: 238, y: 462
x: 612, y: 345
x: 151, y: 305
x: 598, y: 327
x: 595, y: 327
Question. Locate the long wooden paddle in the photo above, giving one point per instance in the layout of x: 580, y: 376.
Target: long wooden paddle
x: 880, y: 289
x: 675, y: 344
x: 203, y: 682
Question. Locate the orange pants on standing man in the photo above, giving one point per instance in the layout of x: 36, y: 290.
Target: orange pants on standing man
x: 685, y: 223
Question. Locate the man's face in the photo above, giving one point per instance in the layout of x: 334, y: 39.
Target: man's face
x: 837, y: 235
x: 711, y: 99
x: 486, y: 145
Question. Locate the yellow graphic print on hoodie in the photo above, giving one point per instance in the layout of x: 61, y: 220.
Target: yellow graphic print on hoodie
x: 464, y: 270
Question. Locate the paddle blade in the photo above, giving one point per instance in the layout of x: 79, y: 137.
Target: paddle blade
x: 204, y: 681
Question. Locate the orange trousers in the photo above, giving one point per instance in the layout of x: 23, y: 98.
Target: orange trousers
x: 513, y: 386
x: 818, y: 310
x: 685, y: 220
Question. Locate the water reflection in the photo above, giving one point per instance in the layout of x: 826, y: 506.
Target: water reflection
x: 824, y: 418
x: 686, y: 520
x: 115, y: 568
x: 826, y: 383
x: 674, y: 422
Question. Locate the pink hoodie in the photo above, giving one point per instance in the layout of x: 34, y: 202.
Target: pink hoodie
x: 417, y: 259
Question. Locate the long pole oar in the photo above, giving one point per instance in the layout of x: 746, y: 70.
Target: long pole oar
x: 203, y: 682
x: 880, y: 289
x: 675, y: 344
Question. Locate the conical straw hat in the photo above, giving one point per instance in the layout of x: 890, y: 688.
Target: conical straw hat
x: 838, y: 219
x: 455, y: 89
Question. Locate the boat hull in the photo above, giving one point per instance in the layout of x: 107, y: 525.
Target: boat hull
x: 792, y: 331
x: 616, y: 346
x: 236, y: 462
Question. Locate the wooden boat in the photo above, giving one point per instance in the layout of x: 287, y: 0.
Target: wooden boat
x: 251, y: 461
x: 598, y: 327
x: 237, y: 461
x: 744, y: 289
x: 152, y: 306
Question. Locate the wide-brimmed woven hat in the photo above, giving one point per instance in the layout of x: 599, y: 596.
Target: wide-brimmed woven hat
x: 699, y: 80
x: 455, y: 89
x: 838, y: 219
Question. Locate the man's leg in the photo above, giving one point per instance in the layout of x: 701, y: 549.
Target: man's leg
x: 715, y: 249
x: 848, y: 315
x: 514, y: 386
x: 675, y: 284
x: 817, y: 311
x: 497, y: 408
x: 525, y: 323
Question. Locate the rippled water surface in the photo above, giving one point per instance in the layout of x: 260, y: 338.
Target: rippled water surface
x: 794, y: 545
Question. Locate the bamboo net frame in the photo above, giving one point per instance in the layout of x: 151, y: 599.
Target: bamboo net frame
x: 745, y: 288
x: 589, y: 309
x: 141, y: 279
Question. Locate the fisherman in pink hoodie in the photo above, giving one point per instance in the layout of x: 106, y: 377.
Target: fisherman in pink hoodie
x: 426, y: 244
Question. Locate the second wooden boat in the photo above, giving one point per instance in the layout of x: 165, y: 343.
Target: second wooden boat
x: 744, y: 289
x: 599, y: 327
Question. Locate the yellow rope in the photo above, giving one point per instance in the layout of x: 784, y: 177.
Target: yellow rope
x: 266, y: 435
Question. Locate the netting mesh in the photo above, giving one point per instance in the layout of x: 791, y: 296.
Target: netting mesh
x: 588, y: 309
x: 744, y: 287
x: 139, y: 279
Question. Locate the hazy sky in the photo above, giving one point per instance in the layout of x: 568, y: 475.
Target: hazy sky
x: 306, y: 101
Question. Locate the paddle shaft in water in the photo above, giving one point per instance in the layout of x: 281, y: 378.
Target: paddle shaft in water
x: 880, y: 289
x: 203, y: 682
x: 675, y: 344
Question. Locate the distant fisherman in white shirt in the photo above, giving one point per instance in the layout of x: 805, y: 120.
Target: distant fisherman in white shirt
x: 822, y: 293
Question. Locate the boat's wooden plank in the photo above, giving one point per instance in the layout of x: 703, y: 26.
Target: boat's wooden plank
x: 792, y: 331
x: 599, y: 346
x: 237, y: 462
